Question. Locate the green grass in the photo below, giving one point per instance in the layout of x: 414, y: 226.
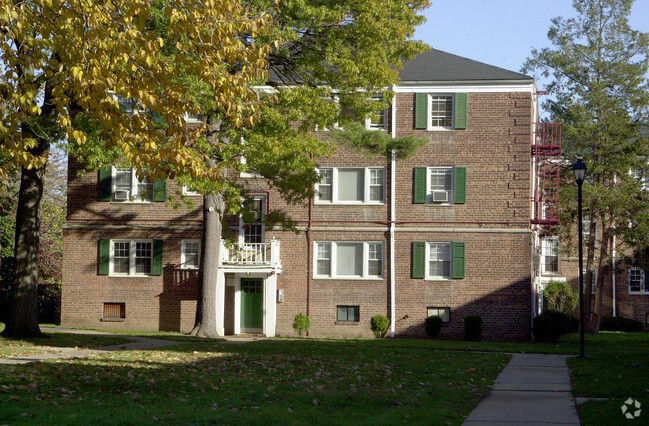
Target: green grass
x: 45, y: 344
x: 617, y: 368
x: 301, y: 381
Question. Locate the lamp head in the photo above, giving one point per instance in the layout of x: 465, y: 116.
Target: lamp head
x: 579, y: 169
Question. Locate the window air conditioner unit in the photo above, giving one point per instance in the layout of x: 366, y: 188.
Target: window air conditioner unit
x: 440, y: 196
x: 122, y: 195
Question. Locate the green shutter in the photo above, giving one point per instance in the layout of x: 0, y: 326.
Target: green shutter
x: 104, y: 257
x: 459, y: 182
x: 459, y: 255
x: 105, y: 183
x: 156, y: 268
x: 160, y: 190
x: 418, y: 259
x: 460, y: 112
x: 421, y: 110
x: 420, y: 193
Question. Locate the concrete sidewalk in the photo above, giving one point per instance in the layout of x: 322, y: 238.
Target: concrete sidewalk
x: 532, y: 389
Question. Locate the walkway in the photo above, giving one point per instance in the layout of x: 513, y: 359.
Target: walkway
x: 532, y: 389
x: 139, y: 343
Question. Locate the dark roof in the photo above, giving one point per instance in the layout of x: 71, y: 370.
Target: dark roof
x: 436, y: 65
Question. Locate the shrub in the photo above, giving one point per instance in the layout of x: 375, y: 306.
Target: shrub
x: 560, y: 296
x: 301, y: 323
x: 608, y: 323
x: 472, y: 327
x: 551, y: 325
x: 379, y: 325
x: 433, y: 326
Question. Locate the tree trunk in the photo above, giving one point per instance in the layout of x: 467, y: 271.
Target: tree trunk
x: 206, y: 309
x: 601, y: 273
x: 22, y: 320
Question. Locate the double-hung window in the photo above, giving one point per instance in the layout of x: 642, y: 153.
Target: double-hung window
x: 378, y: 119
x: 353, y: 259
x: 440, y: 111
x: 351, y: 185
x: 440, y: 185
x: 122, y: 184
x: 130, y: 257
x: 550, y: 254
x: 191, y: 254
x: 251, y: 231
x: 438, y: 260
x: 637, y: 282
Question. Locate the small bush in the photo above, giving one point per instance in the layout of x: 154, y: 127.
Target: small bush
x: 379, y: 325
x: 628, y: 325
x: 551, y: 325
x: 433, y: 326
x: 472, y: 327
x: 560, y: 296
x: 301, y: 323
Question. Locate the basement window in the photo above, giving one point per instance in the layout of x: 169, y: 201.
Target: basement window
x: 114, y: 312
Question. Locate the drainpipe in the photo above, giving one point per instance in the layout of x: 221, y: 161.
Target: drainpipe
x: 392, y: 221
x: 309, y: 259
x: 614, y: 280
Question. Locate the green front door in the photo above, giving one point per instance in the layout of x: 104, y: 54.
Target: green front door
x: 251, y: 302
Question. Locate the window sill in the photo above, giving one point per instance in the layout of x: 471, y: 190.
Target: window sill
x: 349, y: 278
x: 437, y: 279
x: 638, y: 293
x: 440, y: 204
x: 350, y: 203
x: 112, y: 320
x: 131, y: 202
x: 440, y: 129
x: 348, y: 323
x: 132, y: 276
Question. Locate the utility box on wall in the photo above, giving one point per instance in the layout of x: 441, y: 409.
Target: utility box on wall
x: 280, y: 295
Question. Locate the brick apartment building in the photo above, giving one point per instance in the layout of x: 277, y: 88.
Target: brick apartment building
x: 452, y: 231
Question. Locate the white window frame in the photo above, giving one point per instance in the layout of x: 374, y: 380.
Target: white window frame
x: 333, y: 252
x: 585, y: 227
x: 367, y: 184
x: 444, y: 312
x: 188, y: 192
x: 132, y: 258
x: 429, y: 119
x: 450, y: 193
x: 593, y: 281
x: 642, y: 281
x: 368, y: 121
x: 642, y: 179
x: 544, y: 248
x: 242, y: 224
x: 429, y: 275
x: 183, y: 255
x: 134, y: 195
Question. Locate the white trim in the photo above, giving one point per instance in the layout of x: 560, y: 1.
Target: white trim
x: 463, y: 87
x: 428, y: 276
x: 262, y: 211
x: 133, y: 190
x: 642, y: 281
x: 132, y: 258
x: 367, y: 176
x: 333, y: 274
x: 450, y: 200
x: 183, y: 254
x: 429, y: 109
x: 188, y: 192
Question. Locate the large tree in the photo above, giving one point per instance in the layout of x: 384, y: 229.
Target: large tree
x: 599, y: 91
x: 64, y: 57
x: 334, y: 55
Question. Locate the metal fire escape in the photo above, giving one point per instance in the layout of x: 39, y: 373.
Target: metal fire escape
x: 546, y: 158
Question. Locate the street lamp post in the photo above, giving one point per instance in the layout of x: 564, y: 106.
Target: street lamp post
x: 579, y: 169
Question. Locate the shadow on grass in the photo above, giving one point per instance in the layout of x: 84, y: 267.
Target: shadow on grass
x: 276, y: 381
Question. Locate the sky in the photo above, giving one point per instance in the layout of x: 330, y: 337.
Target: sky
x: 502, y: 32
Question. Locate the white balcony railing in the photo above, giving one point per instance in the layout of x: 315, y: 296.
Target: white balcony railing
x: 251, y: 254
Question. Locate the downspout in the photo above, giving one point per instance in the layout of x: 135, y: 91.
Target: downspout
x: 309, y: 260
x: 392, y: 221
x: 614, y: 280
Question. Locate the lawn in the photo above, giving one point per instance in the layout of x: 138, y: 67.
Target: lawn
x: 50, y: 341
x: 302, y: 381
x: 617, y: 368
